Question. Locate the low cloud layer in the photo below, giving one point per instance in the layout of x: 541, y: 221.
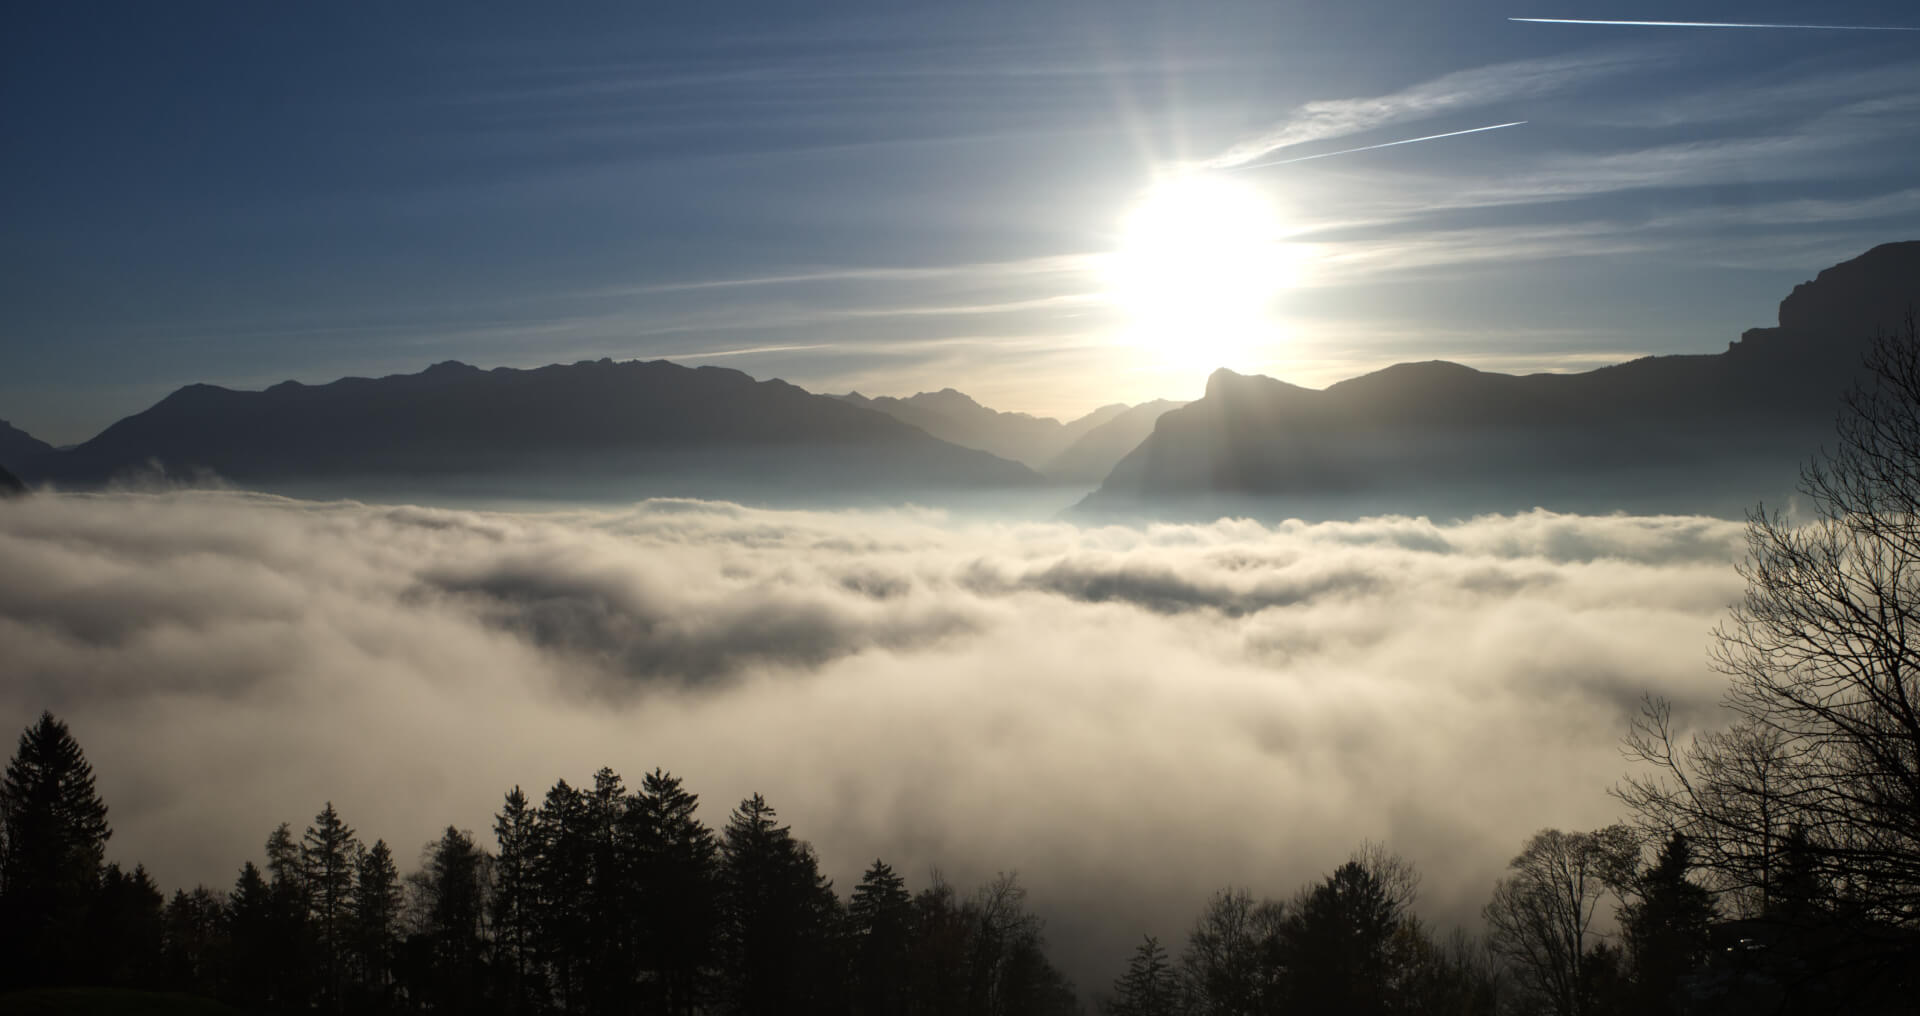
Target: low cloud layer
x: 1130, y: 718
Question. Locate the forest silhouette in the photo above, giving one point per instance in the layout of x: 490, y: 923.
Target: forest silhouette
x: 605, y: 899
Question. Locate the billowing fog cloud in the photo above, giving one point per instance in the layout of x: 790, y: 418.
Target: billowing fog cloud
x: 1130, y: 718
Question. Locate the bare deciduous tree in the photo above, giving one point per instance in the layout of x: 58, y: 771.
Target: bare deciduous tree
x: 1823, y: 655
x: 1541, y: 917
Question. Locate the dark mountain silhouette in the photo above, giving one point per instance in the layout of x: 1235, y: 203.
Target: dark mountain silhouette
x: 17, y: 446
x: 1094, y: 454
x: 1695, y: 433
x: 10, y: 485
x: 628, y: 429
x: 956, y: 418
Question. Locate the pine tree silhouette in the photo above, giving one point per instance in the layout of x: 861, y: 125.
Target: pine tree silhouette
x: 327, y: 854
x: 515, y: 901
x: 55, y: 840
x: 880, y: 926
x: 1149, y: 987
x: 679, y: 882
x: 373, y: 915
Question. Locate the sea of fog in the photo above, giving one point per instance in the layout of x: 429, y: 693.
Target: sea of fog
x: 1129, y: 717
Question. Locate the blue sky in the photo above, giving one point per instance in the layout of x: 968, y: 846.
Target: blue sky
x: 894, y: 198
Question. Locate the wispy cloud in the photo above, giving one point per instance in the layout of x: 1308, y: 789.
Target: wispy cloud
x: 1719, y: 24
x: 1461, y: 90
x: 716, y: 354
x: 1762, y: 94
x: 1390, y: 248
x: 984, y: 270
x: 1383, y: 144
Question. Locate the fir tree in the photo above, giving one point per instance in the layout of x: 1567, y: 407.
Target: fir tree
x: 515, y: 897
x: 880, y: 923
x: 288, y: 934
x: 778, y: 913
x: 56, y: 830
x: 455, y: 903
x: 679, y: 889
x: 125, y: 934
x: 1149, y: 987
x: 563, y: 876
x: 194, y: 925
x: 373, y: 914
x: 1666, y: 928
x: 253, y: 927
x: 327, y: 853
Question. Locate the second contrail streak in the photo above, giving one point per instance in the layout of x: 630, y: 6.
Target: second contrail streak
x: 1716, y: 24
x: 1388, y: 144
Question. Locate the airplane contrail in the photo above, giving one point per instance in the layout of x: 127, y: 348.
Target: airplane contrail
x: 1386, y: 144
x: 1718, y: 24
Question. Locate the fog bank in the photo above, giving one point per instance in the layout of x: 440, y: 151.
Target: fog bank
x: 1130, y: 718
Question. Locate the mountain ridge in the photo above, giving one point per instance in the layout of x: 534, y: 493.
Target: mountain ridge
x: 1709, y: 432
x: 958, y: 418
x: 1092, y: 455
x: 702, y: 429
x: 17, y: 445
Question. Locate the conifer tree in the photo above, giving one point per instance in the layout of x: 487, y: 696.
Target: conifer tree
x: 1666, y: 928
x: 778, y: 914
x: 373, y: 915
x: 55, y: 834
x: 254, y: 925
x: 1149, y: 987
x: 880, y: 925
x: 327, y: 856
x: 563, y: 876
x: 613, y: 905
x: 194, y: 930
x: 515, y: 897
x: 679, y: 890
x: 283, y: 862
x: 124, y: 940
x: 1334, y: 946
x: 288, y: 935
x: 455, y: 905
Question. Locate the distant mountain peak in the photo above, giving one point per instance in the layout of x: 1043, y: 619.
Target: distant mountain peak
x: 655, y: 426
x: 1872, y: 291
x: 1680, y: 433
x: 17, y: 449
x: 13, y: 440
x: 1224, y: 382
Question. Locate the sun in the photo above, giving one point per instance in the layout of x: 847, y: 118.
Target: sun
x: 1200, y: 261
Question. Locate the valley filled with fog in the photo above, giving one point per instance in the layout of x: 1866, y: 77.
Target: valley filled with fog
x: 1129, y: 717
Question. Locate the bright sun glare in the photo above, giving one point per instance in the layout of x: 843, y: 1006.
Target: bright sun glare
x: 1199, y: 265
